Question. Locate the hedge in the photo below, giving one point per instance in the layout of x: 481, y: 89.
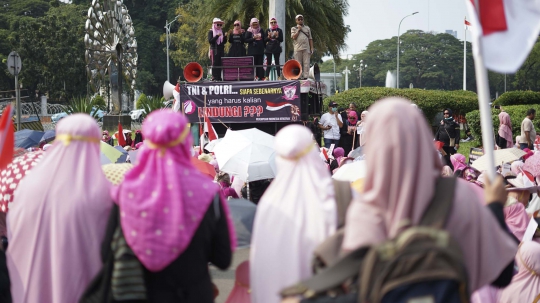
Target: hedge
x: 517, y: 114
x: 141, y: 101
x: 518, y: 97
x: 430, y: 101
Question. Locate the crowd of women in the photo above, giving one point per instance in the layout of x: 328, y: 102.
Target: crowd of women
x: 76, y: 237
x: 260, y: 42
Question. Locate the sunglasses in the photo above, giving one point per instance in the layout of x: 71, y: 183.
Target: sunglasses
x: 447, y: 113
x: 273, y: 22
x: 237, y: 25
x: 219, y: 25
x: 300, y: 19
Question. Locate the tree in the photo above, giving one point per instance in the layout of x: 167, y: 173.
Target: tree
x: 528, y: 76
x: 52, y: 51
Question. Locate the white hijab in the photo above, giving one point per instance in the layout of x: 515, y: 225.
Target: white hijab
x: 296, y: 213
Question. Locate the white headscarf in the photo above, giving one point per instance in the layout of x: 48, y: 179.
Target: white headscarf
x: 296, y: 213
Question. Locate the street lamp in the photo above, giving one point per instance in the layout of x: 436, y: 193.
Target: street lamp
x: 361, y: 67
x: 168, y: 31
x: 399, y: 27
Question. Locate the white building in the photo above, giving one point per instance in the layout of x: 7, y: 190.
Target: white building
x: 451, y: 32
x: 328, y: 79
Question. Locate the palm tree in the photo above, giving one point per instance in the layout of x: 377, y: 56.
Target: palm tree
x: 82, y: 105
x: 324, y: 17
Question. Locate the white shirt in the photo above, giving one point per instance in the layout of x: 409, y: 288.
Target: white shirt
x: 330, y: 119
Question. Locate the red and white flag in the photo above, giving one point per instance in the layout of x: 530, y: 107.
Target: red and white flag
x: 207, y: 128
x: 507, y: 30
x: 176, y: 94
x: 276, y: 106
x: 467, y: 24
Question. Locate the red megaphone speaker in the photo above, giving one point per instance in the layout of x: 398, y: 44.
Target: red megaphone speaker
x: 292, y: 70
x: 193, y: 72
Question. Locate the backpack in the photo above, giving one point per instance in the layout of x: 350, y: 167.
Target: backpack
x: 423, y: 264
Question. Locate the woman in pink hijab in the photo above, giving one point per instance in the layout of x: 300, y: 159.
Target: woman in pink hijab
x: 461, y: 169
x: 217, y: 40
x: 173, y: 218
x: 505, y: 131
x: 56, y: 225
x: 525, y: 286
x: 399, y: 184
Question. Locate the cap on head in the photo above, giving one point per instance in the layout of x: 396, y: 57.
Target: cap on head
x: 217, y: 20
x: 332, y: 104
x: 298, y: 16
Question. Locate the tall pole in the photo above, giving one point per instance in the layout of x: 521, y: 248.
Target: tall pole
x: 465, y: 58
x: 346, y: 72
x: 168, y: 32
x: 18, y: 100
x: 335, y: 82
x: 360, y: 69
x: 399, y: 28
x: 119, y: 54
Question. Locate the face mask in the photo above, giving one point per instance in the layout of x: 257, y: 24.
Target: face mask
x: 334, y: 109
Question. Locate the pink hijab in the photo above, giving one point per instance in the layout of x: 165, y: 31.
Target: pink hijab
x: 217, y: 30
x: 517, y: 219
x: 164, y: 197
x: 241, y: 292
x: 239, y: 31
x: 399, y: 184
x: 458, y: 161
x: 525, y: 285
x: 254, y: 31
x: 505, y: 129
x: 56, y: 225
x: 275, y: 26
x: 354, y: 118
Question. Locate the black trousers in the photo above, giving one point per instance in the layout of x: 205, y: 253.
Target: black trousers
x: 269, y: 63
x: 449, y: 151
x: 216, y: 61
x: 259, y: 71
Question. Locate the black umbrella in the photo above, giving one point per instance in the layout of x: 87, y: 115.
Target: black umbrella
x: 243, y: 214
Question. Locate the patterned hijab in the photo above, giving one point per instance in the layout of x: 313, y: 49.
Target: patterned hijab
x: 163, y: 199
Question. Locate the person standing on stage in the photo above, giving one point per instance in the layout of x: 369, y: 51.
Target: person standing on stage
x: 217, y: 47
x: 303, y: 44
x: 256, y: 44
x: 236, y: 39
x: 274, y: 36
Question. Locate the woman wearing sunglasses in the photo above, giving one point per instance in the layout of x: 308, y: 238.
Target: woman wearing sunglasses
x: 449, y: 133
x: 274, y: 36
x: 236, y: 39
x: 217, y: 47
x: 256, y: 44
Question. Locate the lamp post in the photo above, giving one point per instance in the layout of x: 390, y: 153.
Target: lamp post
x: 399, y: 28
x: 361, y: 67
x: 168, y: 31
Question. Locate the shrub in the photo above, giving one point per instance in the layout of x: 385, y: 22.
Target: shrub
x: 81, y: 105
x: 99, y: 102
x: 518, y: 97
x: 430, y: 101
x: 151, y: 104
x: 517, y: 114
x: 142, y: 100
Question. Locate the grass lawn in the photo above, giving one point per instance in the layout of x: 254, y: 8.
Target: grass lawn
x: 465, y: 147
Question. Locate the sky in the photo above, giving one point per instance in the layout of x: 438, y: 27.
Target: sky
x: 371, y: 20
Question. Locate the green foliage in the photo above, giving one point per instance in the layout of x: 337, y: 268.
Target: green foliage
x: 517, y: 114
x: 99, y: 102
x: 528, y: 76
x: 141, y: 101
x: 518, y: 97
x: 430, y: 101
x: 150, y: 104
x: 82, y: 105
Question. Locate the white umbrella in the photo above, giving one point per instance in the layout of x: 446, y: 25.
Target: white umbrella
x: 248, y: 154
x: 212, y: 145
x: 351, y: 171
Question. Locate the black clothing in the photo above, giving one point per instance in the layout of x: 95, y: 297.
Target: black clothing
x: 187, y: 278
x: 238, y: 49
x: 501, y: 142
x: 256, y: 49
x: 216, y: 52
x: 318, y: 133
x: 449, y: 152
x: 256, y: 190
x: 502, y: 280
x: 273, y: 49
x: 312, y: 127
x: 5, y: 283
x: 450, y: 129
x: 273, y: 46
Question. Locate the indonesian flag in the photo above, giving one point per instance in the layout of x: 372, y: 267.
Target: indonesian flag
x: 276, y: 106
x: 467, y: 24
x: 7, y: 138
x: 176, y: 94
x: 507, y: 30
x: 208, y: 128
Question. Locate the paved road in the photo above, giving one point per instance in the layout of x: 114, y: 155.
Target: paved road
x: 225, y: 279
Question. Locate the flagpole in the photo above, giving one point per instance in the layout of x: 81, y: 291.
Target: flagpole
x: 482, y: 85
x: 465, y: 57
